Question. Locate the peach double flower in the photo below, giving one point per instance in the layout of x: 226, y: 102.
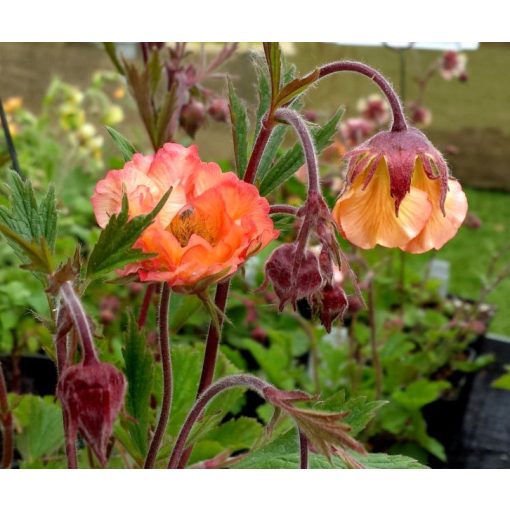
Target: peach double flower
x: 399, y: 195
x: 211, y: 223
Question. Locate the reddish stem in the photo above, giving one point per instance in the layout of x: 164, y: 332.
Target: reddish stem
x: 303, y: 449
x: 399, y: 121
x: 258, y: 150
x: 166, y: 361
x: 144, y: 309
x: 211, y: 351
x: 283, y: 209
x: 207, y: 395
x: 297, y: 122
x: 6, y: 421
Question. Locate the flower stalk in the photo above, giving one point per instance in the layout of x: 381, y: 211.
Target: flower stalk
x: 303, y: 449
x: 399, y: 121
x: 166, y: 360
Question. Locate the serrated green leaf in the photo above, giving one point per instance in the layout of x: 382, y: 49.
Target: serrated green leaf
x: 283, y: 453
x: 48, y: 218
x: 114, y: 246
x: 239, y: 122
x: 420, y: 393
x: 237, y: 434
x: 40, y: 426
x: 139, y: 369
x: 474, y: 365
x: 30, y: 228
x: 126, y: 149
x: 290, y: 162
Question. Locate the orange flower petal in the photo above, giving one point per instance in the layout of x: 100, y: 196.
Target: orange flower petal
x: 366, y: 217
x: 440, y: 228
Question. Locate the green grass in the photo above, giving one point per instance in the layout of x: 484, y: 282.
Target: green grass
x: 471, y: 250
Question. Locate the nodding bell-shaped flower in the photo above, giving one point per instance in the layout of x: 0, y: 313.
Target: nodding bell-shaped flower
x: 92, y: 395
x: 399, y: 194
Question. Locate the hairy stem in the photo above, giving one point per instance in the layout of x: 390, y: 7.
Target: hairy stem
x: 283, y: 209
x: 258, y: 150
x: 211, y: 350
x: 250, y: 381
x: 399, y: 121
x: 291, y: 117
x: 303, y: 449
x: 166, y: 361
x: 80, y: 321
x: 6, y: 421
x: 64, y: 325
x: 144, y: 309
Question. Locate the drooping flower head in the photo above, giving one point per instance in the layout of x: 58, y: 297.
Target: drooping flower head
x: 211, y: 223
x: 399, y: 194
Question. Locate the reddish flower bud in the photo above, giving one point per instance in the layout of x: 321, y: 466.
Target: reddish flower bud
x: 290, y: 286
x: 310, y: 116
x: 92, y: 396
x: 330, y: 304
x: 420, y: 116
x: 192, y: 117
x: 356, y: 130
x: 355, y: 304
x: 453, y: 65
x: 218, y: 110
x: 472, y: 221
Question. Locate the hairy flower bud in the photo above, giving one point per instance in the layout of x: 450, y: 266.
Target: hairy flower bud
x: 92, y: 396
x: 192, y: 117
x: 330, y: 304
x: 218, y: 110
x: 288, y: 285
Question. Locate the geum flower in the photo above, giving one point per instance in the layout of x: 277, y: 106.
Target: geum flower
x: 399, y: 194
x: 211, y: 223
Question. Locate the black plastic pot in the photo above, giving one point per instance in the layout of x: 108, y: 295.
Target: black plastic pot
x: 34, y: 374
x: 474, y: 426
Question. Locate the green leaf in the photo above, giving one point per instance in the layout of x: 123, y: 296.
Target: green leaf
x: 114, y: 246
x: 283, y: 453
x: 238, y: 434
x: 420, y: 393
x: 290, y: 162
x: 125, y: 147
x: 264, y: 99
x: 503, y: 382
x: 274, y: 64
x: 239, y: 122
x: 139, y: 368
x: 40, y: 422
x: 30, y: 228
x: 473, y: 366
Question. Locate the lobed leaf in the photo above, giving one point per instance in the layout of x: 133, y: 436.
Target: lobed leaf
x: 113, y: 249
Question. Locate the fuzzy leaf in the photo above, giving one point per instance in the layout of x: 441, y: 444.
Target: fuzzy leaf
x: 290, y: 162
x: 139, y: 374
x: 264, y: 99
x: 125, y: 147
x: 114, y: 246
x: 239, y: 122
x: 283, y: 453
x: 238, y: 434
x: 420, y: 393
x: 30, y: 227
